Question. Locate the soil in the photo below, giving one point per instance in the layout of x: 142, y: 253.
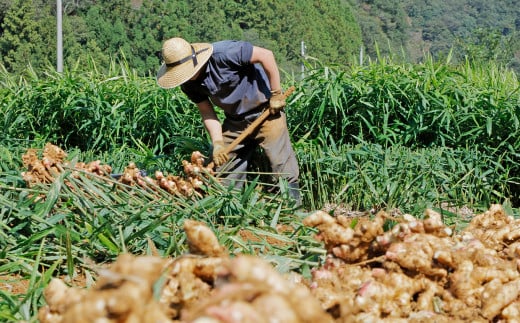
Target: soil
x: 249, y: 236
x: 16, y: 284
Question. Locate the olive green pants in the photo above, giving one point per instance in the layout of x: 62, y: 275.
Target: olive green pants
x: 272, y: 135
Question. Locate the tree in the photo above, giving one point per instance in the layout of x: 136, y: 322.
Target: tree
x: 210, y: 22
x: 329, y: 30
x: 486, y: 45
x: 23, y: 36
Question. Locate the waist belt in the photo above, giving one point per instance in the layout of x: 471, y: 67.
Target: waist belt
x: 249, y: 116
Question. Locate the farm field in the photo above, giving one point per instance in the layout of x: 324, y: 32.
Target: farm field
x: 409, y: 183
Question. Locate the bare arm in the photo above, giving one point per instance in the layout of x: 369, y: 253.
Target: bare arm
x: 266, y: 58
x: 210, y: 120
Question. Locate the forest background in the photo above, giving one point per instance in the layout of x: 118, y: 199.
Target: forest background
x: 331, y: 32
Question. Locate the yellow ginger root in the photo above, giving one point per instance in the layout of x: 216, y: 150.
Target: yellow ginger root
x: 332, y: 232
x: 366, y: 230
x: 53, y: 153
x: 512, y: 312
x: 458, y: 272
x: 122, y: 293
x: 343, y: 241
x: 201, y: 240
x: 53, y: 163
x: 393, y: 294
x: 189, y: 280
x: 464, y: 286
x: 197, y: 158
x: 53, y: 156
x: 498, y: 296
x: 365, y: 233
x: 143, y: 270
x: 131, y: 174
x: 417, y: 253
x: 36, y: 170
x: 192, y: 277
x: 227, y: 301
x: 352, y: 293
x: 399, y: 232
x: 257, y: 272
x: 58, y: 297
x: 168, y: 183
x: 30, y: 157
x: 473, y: 267
x: 494, y: 228
x: 232, y: 312
x: 272, y: 305
x: 195, y: 169
x: 334, y: 284
x: 493, y: 218
x: 248, y: 289
x: 420, y: 272
x: 433, y: 224
x: 513, y: 251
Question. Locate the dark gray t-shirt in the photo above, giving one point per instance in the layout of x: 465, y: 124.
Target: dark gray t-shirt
x: 230, y: 81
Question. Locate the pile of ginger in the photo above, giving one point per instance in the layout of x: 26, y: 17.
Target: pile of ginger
x: 205, y: 286
x: 53, y: 162
x: 419, y: 270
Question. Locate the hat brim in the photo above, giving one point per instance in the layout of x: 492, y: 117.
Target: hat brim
x: 170, y: 77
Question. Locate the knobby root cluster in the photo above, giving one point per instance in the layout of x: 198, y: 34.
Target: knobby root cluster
x: 52, y: 163
x: 417, y: 271
x: 420, y: 270
x: 206, y: 285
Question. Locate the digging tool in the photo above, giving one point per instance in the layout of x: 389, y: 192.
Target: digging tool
x: 252, y: 127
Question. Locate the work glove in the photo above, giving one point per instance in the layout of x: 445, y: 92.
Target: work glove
x: 276, y: 102
x: 219, y: 156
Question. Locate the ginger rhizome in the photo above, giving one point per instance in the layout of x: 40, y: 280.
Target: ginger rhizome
x: 419, y: 269
x: 52, y: 162
x: 206, y: 285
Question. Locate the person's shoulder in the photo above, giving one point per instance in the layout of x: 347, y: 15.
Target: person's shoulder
x: 231, y: 52
x: 224, y: 45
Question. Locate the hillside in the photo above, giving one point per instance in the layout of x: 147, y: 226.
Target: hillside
x: 333, y: 32
x: 478, y: 29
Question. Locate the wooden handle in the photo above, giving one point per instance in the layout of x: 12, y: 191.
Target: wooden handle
x: 249, y: 130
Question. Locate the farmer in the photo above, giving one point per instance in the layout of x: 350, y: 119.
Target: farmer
x: 242, y: 80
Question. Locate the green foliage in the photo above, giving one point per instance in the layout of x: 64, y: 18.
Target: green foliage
x: 98, y: 112
x: 416, y: 105
x: 368, y: 176
x: 125, y: 117
x: 486, y: 45
x: 442, y: 25
x: 383, y: 24
x: 334, y: 32
x: 329, y: 31
x: 134, y: 33
x: 21, y: 37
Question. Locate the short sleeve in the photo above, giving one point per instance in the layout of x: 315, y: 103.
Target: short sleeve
x: 192, y: 94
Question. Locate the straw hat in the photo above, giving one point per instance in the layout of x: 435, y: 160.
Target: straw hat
x: 182, y: 60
